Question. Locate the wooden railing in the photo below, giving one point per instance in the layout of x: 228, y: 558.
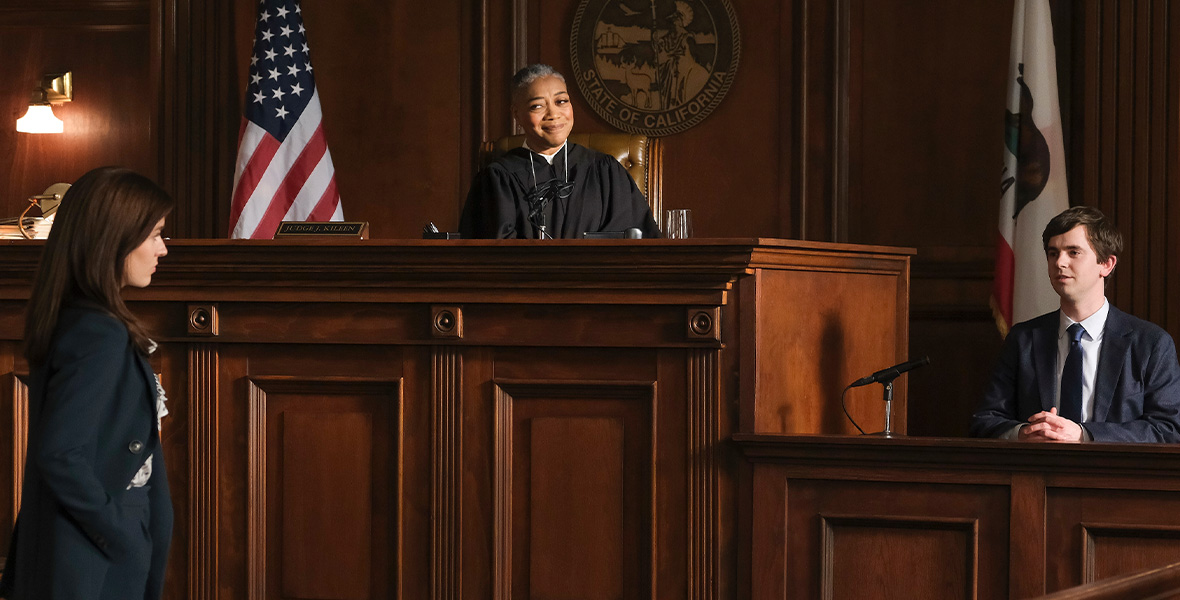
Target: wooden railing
x: 1153, y: 584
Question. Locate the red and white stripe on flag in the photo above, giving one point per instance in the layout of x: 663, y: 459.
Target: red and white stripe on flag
x: 284, y: 171
x: 1034, y: 186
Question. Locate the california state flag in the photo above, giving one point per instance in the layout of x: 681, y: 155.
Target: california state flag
x: 1033, y: 185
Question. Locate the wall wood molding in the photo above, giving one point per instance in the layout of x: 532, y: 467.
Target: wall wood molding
x: 446, y: 568
x: 203, y: 473
x: 20, y: 439
x: 703, y: 532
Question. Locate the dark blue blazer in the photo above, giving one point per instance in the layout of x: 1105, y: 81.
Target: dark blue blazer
x: 92, y: 424
x: 1136, y: 387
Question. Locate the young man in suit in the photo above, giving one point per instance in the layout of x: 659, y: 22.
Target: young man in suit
x: 1086, y: 372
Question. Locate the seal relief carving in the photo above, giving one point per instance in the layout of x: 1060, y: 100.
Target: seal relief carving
x: 654, y: 67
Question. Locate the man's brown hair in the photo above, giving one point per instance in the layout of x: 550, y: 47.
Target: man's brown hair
x: 1104, y: 238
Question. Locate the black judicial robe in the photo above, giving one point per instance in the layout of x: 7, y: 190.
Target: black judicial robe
x: 602, y: 197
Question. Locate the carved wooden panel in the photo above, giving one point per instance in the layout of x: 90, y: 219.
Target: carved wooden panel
x: 852, y: 539
x: 324, y: 487
x: 1117, y: 549
x: 889, y: 557
x: 1037, y: 519
x: 574, y: 489
x: 834, y: 328
x: 1109, y: 532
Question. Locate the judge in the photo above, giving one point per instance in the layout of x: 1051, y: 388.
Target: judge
x: 550, y: 187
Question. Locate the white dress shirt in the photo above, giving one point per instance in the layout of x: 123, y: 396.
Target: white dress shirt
x: 1095, y: 326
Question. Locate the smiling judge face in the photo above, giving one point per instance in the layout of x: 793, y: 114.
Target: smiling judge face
x: 544, y: 111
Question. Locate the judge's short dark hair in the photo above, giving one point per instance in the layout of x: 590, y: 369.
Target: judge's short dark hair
x: 1104, y: 238
x: 526, y: 76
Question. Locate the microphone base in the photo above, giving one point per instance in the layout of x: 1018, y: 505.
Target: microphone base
x: 884, y: 434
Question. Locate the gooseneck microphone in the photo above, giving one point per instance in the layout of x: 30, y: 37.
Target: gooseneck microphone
x: 885, y: 375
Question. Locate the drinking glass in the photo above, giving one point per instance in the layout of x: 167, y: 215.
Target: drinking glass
x: 678, y: 224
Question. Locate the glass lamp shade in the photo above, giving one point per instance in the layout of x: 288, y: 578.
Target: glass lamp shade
x: 39, y: 119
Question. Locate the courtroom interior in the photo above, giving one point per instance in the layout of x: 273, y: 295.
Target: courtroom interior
x: 405, y: 415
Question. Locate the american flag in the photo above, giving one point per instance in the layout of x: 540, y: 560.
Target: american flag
x: 284, y: 171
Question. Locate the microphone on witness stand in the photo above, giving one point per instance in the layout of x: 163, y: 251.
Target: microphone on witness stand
x: 892, y: 372
x: 886, y: 377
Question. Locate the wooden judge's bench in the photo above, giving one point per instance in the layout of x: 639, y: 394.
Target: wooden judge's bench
x: 446, y: 419
x: 581, y: 419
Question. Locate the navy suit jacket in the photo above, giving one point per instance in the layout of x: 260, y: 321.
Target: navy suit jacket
x: 92, y: 425
x: 1136, y: 387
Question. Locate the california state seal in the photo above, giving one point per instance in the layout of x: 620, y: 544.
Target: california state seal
x: 654, y: 67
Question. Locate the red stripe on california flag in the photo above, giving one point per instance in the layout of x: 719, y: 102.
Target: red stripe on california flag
x: 251, y: 175
x: 296, y: 177
x: 326, y: 207
x: 1005, y: 276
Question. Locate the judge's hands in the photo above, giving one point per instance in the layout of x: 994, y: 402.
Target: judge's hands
x: 1050, y: 427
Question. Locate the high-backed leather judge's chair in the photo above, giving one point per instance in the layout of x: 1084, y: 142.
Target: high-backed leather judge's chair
x: 639, y: 154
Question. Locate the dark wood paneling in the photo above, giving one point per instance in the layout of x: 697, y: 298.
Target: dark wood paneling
x: 1121, y: 550
x: 197, y: 417
x: 575, y: 491
x: 324, y: 531
x: 1107, y: 532
x: 388, y: 76
x: 446, y: 539
x: 912, y: 540
x: 842, y: 324
x: 106, y: 122
x: 894, y: 557
x: 571, y: 516
x: 200, y: 106
x: 324, y: 487
x: 323, y: 375
x: 1125, y: 143
x: 16, y: 420
x: 926, y: 105
x: 953, y: 518
x: 928, y: 123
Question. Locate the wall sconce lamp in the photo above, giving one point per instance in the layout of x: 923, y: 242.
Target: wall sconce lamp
x: 56, y: 88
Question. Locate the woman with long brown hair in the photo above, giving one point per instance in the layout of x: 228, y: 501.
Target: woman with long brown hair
x: 96, y: 516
